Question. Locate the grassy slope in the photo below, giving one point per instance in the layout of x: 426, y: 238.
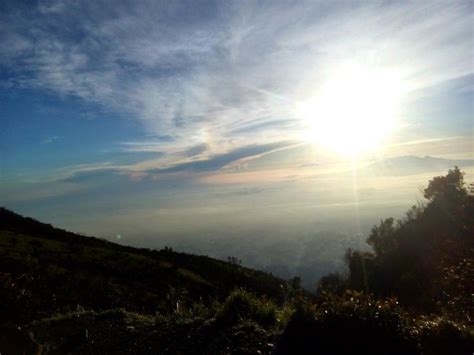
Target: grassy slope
x: 65, y: 293
x: 58, y: 271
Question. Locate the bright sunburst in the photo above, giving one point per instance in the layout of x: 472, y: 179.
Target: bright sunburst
x: 354, y: 111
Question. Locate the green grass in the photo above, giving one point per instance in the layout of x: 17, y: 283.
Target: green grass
x: 242, y: 305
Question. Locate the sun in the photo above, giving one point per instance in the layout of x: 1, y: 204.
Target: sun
x: 354, y: 111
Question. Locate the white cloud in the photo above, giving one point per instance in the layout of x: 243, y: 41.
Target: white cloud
x: 197, y: 73
x: 50, y: 140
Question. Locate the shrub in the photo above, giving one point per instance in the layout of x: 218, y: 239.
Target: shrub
x: 35, y: 244
x: 332, y: 283
x: 444, y: 337
x: 241, y: 305
x: 16, y: 304
x: 350, y: 324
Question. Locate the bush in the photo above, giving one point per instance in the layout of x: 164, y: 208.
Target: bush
x: 242, y: 305
x: 351, y: 324
x: 444, y: 337
x: 16, y: 304
x: 332, y: 283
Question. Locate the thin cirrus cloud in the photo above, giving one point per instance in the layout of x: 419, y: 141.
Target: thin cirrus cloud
x: 50, y: 140
x: 219, y: 161
x: 191, y: 161
x: 225, y: 67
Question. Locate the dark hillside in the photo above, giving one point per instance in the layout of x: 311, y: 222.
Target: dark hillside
x: 59, y: 271
x: 413, y: 294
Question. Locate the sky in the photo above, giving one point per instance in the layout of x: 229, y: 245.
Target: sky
x: 135, y: 120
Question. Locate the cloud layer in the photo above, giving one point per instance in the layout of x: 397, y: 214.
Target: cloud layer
x: 223, y: 74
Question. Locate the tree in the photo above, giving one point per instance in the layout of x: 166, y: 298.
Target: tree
x: 332, y: 283
x: 412, y: 256
x: 234, y: 260
x: 382, y: 238
x: 295, y: 283
x: 447, y: 189
x: 361, y: 267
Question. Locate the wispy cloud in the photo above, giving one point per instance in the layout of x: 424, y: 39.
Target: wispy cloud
x: 205, y: 74
x: 220, y: 161
x: 49, y: 140
x: 427, y: 140
x: 190, y: 163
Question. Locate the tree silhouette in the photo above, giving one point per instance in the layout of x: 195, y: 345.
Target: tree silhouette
x: 418, y: 258
x: 447, y: 189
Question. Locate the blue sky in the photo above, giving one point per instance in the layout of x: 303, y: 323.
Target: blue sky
x: 128, y: 108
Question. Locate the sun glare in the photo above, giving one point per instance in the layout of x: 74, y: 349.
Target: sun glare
x: 354, y: 111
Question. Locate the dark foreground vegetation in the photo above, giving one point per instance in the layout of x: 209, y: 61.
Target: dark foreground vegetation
x: 65, y: 293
